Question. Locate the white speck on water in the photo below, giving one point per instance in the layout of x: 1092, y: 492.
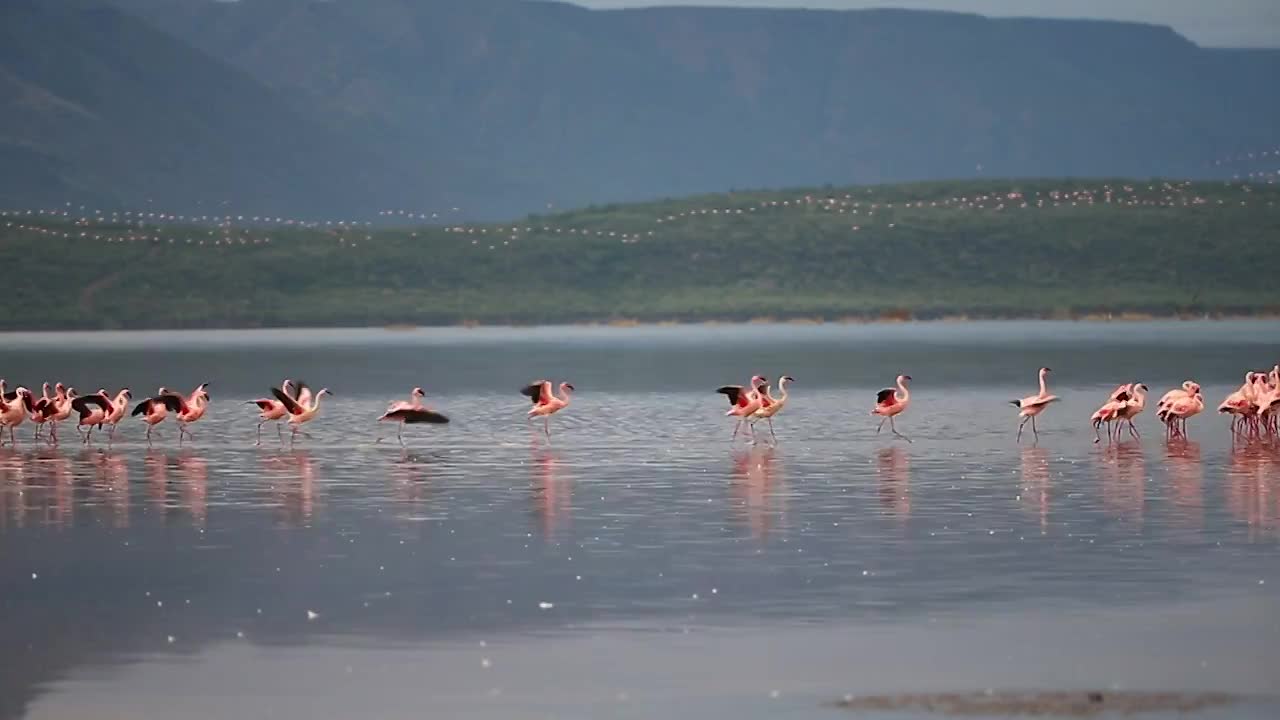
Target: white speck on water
x: 240, y: 634
x: 544, y: 605
x: 577, y: 577
x: 486, y: 663
x: 35, y: 576
x: 865, y: 573
x: 774, y: 694
x: 170, y: 639
x: 695, y: 596
x: 312, y: 615
x: 159, y: 603
x: 714, y: 591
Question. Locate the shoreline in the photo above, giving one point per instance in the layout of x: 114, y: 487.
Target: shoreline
x: 634, y: 323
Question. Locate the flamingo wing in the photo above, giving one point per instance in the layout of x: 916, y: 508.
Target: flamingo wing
x: 735, y: 393
x: 265, y: 404
x: 885, y: 397
x: 289, y: 403
x: 539, y: 392
x: 413, y: 416
x: 173, y: 401
x: 81, y: 404
x: 143, y: 407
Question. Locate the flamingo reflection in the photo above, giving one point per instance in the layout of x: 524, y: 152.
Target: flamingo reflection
x: 1124, y: 473
x: 1186, y: 475
x: 193, y: 472
x: 1035, y: 483
x: 552, y: 492
x: 757, y: 488
x: 292, y: 487
x: 893, y: 467
x: 111, y: 485
x: 1253, y: 488
x: 411, y: 482
x: 51, y: 488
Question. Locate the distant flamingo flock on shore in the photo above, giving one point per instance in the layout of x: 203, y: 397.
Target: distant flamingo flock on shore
x: 1254, y: 408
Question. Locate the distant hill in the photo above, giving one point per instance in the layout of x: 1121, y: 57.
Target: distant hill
x: 975, y: 248
x: 502, y: 106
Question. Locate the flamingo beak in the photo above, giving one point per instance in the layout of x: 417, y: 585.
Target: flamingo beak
x: 571, y: 387
x: 906, y: 377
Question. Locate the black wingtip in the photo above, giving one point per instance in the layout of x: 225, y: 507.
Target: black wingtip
x: 1016, y: 403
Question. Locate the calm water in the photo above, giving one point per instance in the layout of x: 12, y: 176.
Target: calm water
x: 641, y: 565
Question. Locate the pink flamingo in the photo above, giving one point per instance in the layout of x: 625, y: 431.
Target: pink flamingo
x: 38, y: 412
x: 61, y: 409
x: 155, y: 409
x: 1132, y: 408
x: 272, y: 410
x: 411, y: 413
x: 1033, y: 405
x: 14, y: 407
x: 1109, y: 412
x: 193, y: 408
x: 1241, y: 403
x: 770, y: 406
x: 93, y: 410
x: 300, y: 414
x: 545, y: 404
x: 1181, y: 407
x: 891, y: 403
x: 119, y: 406
x: 744, y: 402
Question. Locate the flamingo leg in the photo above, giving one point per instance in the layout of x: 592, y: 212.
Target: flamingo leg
x: 546, y: 426
x: 736, y: 427
x: 399, y: 433
x: 1097, y: 437
x: 149, y: 428
x: 279, y: 434
x: 771, y: 432
x: 895, y: 430
x: 881, y: 426
x: 259, y: 442
x: 1034, y: 431
x: 1133, y: 430
x: 1022, y: 425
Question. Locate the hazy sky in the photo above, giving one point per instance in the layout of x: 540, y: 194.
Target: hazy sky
x: 1252, y: 23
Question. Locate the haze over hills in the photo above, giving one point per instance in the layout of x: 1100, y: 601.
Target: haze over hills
x: 502, y: 106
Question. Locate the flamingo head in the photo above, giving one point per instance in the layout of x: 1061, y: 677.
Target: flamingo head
x: 1143, y: 387
x: 1045, y: 370
x: 1194, y: 389
x: 567, y: 386
x: 45, y: 389
x: 325, y: 391
x: 126, y: 393
x: 417, y: 392
x: 1190, y: 386
x: 60, y: 389
x: 785, y: 379
x: 757, y: 380
x: 103, y: 392
x: 907, y: 378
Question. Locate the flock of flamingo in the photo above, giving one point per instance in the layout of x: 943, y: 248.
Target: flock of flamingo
x: 1254, y: 408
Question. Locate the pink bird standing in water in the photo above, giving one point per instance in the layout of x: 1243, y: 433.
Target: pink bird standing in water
x: 546, y: 404
x: 744, y: 402
x: 891, y: 403
x: 1033, y: 405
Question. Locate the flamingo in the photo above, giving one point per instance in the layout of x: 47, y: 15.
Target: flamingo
x: 93, y: 410
x: 1176, y: 413
x: 1241, y: 404
x: 743, y: 402
x: 193, y: 408
x: 61, y: 409
x: 271, y: 409
x: 1109, y: 412
x: 119, y: 406
x: 38, y: 414
x: 155, y: 409
x: 14, y: 407
x: 771, y: 406
x: 546, y: 404
x: 1132, y: 408
x: 300, y: 414
x: 1033, y: 405
x: 891, y: 403
x: 411, y: 413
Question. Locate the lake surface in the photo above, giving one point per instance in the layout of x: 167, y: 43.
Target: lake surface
x: 640, y: 565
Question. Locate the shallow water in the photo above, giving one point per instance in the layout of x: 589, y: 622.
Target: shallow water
x: 639, y: 565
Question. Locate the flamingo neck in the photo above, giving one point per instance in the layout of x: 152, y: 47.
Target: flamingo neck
x: 782, y: 391
x: 1044, y: 390
x: 906, y: 394
x: 565, y: 393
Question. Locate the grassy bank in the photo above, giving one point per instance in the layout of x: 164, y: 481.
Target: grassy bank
x: 1048, y: 248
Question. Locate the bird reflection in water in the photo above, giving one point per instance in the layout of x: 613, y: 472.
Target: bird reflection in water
x: 757, y: 487
x: 193, y: 474
x: 1186, y: 476
x: 893, y: 467
x: 1035, y: 483
x: 411, y: 481
x: 50, y: 489
x: 110, y: 484
x: 1124, y: 474
x: 293, y: 481
x: 155, y: 466
x: 12, y: 481
x: 1253, y: 487
x: 552, y: 492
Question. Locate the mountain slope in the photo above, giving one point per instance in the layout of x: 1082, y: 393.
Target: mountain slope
x: 100, y: 107
x: 503, y: 106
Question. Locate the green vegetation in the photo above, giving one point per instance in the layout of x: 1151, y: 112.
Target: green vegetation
x: 1155, y: 248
